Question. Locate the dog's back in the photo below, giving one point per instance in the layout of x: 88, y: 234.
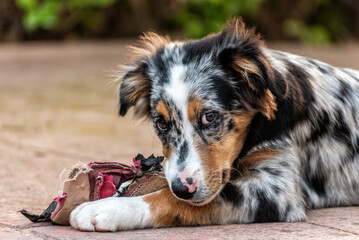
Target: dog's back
x: 327, y: 138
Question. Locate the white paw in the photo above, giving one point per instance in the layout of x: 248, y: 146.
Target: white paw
x: 112, y: 214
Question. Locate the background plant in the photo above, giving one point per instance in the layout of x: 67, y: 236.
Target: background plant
x: 308, y: 21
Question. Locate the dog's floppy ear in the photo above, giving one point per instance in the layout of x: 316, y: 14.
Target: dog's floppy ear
x: 134, y: 91
x: 241, y: 52
x: 257, y: 85
x: 135, y: 85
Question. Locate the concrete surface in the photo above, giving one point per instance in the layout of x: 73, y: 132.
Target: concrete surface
x: 57, y: 107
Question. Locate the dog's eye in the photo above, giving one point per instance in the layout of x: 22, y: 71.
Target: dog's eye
x: 162, y: 124
x: 208, y: 117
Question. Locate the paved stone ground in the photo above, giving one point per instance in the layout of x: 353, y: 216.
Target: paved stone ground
x: 57, y: 107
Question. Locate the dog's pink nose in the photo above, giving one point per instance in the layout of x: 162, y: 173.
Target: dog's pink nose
x: 188, y: 181
x: 184, y: 186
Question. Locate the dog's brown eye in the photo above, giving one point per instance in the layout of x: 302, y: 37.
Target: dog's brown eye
x: 161, y: 124
x: 207, y: 118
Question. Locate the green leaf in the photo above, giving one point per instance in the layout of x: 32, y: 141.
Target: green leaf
x: 26, y: 4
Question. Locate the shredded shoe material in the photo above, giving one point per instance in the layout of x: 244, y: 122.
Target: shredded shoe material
x: 98, y: 180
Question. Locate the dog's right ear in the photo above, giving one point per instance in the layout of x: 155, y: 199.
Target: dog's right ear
x: 135, y: 91
x: 135, y: 86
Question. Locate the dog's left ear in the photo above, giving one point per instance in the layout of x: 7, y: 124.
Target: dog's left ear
x: 135, y: 86
x: 257, y: 86
x: 241, y: 52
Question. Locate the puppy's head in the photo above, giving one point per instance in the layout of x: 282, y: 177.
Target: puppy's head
x: 201, y: 96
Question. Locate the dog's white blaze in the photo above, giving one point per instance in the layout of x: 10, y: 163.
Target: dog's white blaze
x: 178, y: 90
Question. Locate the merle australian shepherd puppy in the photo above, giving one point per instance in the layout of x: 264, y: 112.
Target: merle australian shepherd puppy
x: 249, y: 134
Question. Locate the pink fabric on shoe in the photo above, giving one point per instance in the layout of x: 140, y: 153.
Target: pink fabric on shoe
x: 106, y: 188
x: 60, y: 203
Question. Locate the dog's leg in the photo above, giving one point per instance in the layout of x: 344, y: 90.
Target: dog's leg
x: 267, y: 190
x: 157, y: 209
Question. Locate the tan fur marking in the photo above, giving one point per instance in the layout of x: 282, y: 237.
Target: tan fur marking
x: 134, y: 96
x: 193, y: 109
x: 149, y: 43
x: 162, y: 109
x: 244, y: 66
x: 169, y: 211
x: 269, y: 106
x: 237, y: 28
x: 257, y: 157
x: 166, y: 152
x: 217, y: 157
x: 297, y: 94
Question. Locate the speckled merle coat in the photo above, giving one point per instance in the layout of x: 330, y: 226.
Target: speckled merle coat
x: 250, y: 134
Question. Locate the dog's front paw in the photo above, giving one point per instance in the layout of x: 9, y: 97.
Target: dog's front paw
x: 111, y: 214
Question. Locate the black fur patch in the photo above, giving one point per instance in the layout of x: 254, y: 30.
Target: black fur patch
x: 341, y: 130
x: 355, y: 147
x: 272, y: 171
x: 231, y: 193
x: 267, y: 210
x: 305, y: 194
x: 276, y: 189
x: 194, y: 50
x: 300, y: 76
x: 319, y: 66
x: 224, y: 92
x: 230, y: 125
x: 344, y: 92
x: 353, y: 151
x: 163, y: 66
x: 321, y: 127
x: 317, y: 183
x: 183, y: 153
x: 224, y: 174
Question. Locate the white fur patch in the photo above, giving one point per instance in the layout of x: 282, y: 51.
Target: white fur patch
x: 112, y: 214
x: 177, y: 88
x: 179, y: 91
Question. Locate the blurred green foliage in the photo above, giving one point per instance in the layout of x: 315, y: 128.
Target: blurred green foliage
x: 308, y: 21
x: 37, y: 15
x: 327, y: 23
x: 201, y: 17
x: 314, y: 34
x: 47, y: 14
